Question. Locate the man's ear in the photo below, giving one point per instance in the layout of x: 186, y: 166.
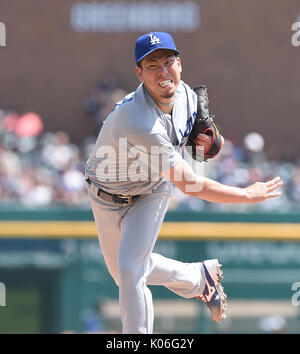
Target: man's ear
x: 139, y: 73
x: 179, y: 64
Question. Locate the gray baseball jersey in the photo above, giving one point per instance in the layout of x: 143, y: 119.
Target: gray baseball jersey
x: 137, y: 141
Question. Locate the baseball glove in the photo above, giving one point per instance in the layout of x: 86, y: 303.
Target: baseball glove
x: 204, y: 125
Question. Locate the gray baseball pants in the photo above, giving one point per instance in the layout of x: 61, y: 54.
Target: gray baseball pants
x: 127, y: 235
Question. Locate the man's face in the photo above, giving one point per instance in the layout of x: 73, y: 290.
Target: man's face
x: 160, y: 73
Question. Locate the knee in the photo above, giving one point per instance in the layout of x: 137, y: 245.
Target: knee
x: 129, y: 274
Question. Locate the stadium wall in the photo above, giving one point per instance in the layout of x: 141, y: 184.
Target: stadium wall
x: 54, y: 271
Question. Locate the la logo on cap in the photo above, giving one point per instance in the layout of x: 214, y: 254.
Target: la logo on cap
x: 154, y: 39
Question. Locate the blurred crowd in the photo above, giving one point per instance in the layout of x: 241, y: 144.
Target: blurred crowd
x: 37, y: 168
x: 42, y: 169
x: 240, y: 166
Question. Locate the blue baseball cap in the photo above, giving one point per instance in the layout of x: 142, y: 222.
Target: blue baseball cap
x: 152, y: 41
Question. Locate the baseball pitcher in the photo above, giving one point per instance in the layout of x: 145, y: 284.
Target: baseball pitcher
x: 136, y: 161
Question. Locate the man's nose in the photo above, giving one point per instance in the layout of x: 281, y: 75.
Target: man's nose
x: 163, y: 70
